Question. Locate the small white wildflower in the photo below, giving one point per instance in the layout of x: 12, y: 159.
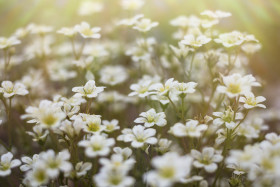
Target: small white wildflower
x: 144, y: 25
x: 151, y: 118
x: 192, y: 128
x: 169, y: 169
x: 87, y: 32
x: 250, y: 101
x: 206, y: 159
x: 10, y: 89
x: 195, y: 42
x: 97, y: 145
x: 90, y: 90
x: 140, y: 136
x: 6, y: 164
x: 110, y: 126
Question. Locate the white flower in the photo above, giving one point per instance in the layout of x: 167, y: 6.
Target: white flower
x: 234, y: 38
x: 140, y: 136
x: 163, y: 145
x: 130, y: 21
x: 183, y: 88
x: 180, y: 21
x: 8, y: 42
x: 144, y: 25
x: 228, y: 117
x: 71, y: 129
x: 81, y: 169
x: 10, y: 89
x: 132, y: 4
x: 90, y: 90
x: 54, y: 163
x: 195, y: 42
x: 250, y: 101
x: 113, y: 75
x: 87, y: 32
x: 37, y: 176
x: 151, y: 118
x: 235, y: 84
x: 141, y: 88
x: 110, y: 126
x: 113, y: 178
x: 251, y: 48
x: 97, y: 145
x: 192, y: 128
x: 207, y: 159
x: 6, y: 164
x: 117, y: 161
x: 38, y: 134
x: 90, y: 7
x: 28, y: 162
x: 215, y: 14
x: 93, y: 124
x: 182, y: 51
x: 67, y: 31
x: 125, y: 152
x: 169, y: 169
x: 163, y: 90
x: 48, y: 114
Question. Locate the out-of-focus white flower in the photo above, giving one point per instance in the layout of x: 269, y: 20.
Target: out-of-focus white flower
x: 90, y: 90
x: 195, y: 42
x: 47, y: 115
x: 151, y: 118
x: 130, y: 21
x: 232, y: 39
x: 55, y: 163
x: 113, y: 178
x: 250, y: 101
x: 251, y: 48
x: 132, y: 4
x: 38, y: 134
x: 141, y: 88
x: 90, y: 7
x: 183, y: 88
x: 81, y: 169
x: 113, y: 75
x: 97, y: 145
x: 182, y: 51
x: 8, y: 42
x: 163, y: 90
x: 169, y: 169
x: 235, y: 84
x: 206, y: 159
x: 37, y: 176
x: 67, y: 31
x: 7, y: 163
x: 139, y: 136
x: 110, y: 126
x: 163, y: 145
x: 215, y: 14
x: 27, y: 162
x: 228, y: 117
x: 117, y: 161
x: 192, y: 128
x: 180, y: 21
x: 125, y: 152
x: 10, y: 89
x: 144, y: 25
x: 39, y: 29
x: 87, y: 32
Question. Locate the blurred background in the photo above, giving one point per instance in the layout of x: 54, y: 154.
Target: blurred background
x: 258, y: 17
